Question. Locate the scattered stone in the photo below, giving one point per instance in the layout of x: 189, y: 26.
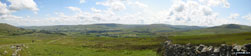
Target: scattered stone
x: 5, y: 52
x: 17, y: 48
x: 203, y: 50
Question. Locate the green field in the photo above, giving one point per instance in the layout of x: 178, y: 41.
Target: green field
x: 112, y: 39
x: 55, y: 45
x: 81, y: 45
x: 237, y: 38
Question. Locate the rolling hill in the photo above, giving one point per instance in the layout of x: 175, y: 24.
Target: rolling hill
x: 6, y: 29
x: 161, y: 29
x: 101, y: 27
x: 214, y: 39
x: 223, y: 29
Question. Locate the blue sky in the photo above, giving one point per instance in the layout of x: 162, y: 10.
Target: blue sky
x: 174, y: 12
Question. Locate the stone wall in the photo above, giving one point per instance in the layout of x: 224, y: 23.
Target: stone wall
x: 170, y: 49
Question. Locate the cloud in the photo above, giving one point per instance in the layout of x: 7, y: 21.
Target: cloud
x: 179, y: 7
x: 75, y: 9
x: 60, y: 14
x: 82, y: 1
x: 225, y: 3
x: 191, y: 12
x: 9, y: 16
x: 112, y: 14
x: 11, y: 19
x: 95, y: 10
x: 17, y: 5
x: 248, y: 16
x: 116, y: 5
x: 234, y: 16
x: 23, y: 4
x: 3, y: 9
x: 188, y: 12
x: 138, y: 4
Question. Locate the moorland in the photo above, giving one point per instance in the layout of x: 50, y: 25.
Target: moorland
x: 113, y: 39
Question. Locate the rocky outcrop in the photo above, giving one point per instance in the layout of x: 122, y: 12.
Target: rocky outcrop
x: 170, y: 49
x: 17, y: 48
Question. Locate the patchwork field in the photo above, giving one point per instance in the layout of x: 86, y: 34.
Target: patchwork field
x: 237, y: 38
x: 112, y: 39
x: 54, y: 45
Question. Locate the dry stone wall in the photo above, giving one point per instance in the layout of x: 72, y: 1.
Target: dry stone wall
x: 170, y: 49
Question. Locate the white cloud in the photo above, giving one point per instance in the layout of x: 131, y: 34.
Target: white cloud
x: 95, y: 10
x: 181, y: 12
x: 3, y: 9
x: 11, y: 19
x: 8, y: 16
x: 138, y: 4
x: 23, y: 4
x: 225, y: 3
x: 82, y: 1
x: 116, y: 5
x: 234, y: 16
x: 192, y: 13
x: 179, y: 7
x: 110, y: 15
x: 60, y: 14
x: 75, y: 9
x: 16, y: 5
x: 248, y: 16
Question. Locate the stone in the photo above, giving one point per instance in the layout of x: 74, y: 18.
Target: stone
x: 237, y: 48
x: 5, y: 52
x: 216, y: 49
x: 203, y: 50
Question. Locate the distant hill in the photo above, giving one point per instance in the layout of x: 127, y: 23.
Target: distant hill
x: 112, y: 27
x: 223, y: 29
x: 162, y: 28
x: 6, y: 29
x: 114, y: 30
x: 159, y: 29
x: 214, y: 39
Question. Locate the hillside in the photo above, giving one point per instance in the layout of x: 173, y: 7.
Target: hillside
x: 214, y: 39
x: 223, y: 29
x: 6, y: 29
x: 115, y: 30
x: 159, y: 29
x: 101, y: 27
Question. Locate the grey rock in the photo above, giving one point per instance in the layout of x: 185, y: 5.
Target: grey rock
x: 203, y: 50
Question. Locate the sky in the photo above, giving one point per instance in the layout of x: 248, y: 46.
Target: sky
x: 173, y: 12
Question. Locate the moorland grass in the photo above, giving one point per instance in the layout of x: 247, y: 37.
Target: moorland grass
x: 54, y: 45
x: 81, y: 45
x: 237, y: 38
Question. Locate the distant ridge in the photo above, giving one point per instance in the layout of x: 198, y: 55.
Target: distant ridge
x: 164, y: 29
x: 113, y: 26
x: 223, y: 29
x: 6, y: 29
x: 109, y: 24
x: 232, y: 26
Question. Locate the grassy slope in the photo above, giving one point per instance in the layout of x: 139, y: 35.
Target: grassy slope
x: 161, y: 29
x: 237, y: 38
x: 126, y: 28
x: 6, y: 29
x: 56, y: 45
x: 115, y: 30
x: 223, y: 29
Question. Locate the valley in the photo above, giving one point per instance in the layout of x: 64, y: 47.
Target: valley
x: 112, y: 39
